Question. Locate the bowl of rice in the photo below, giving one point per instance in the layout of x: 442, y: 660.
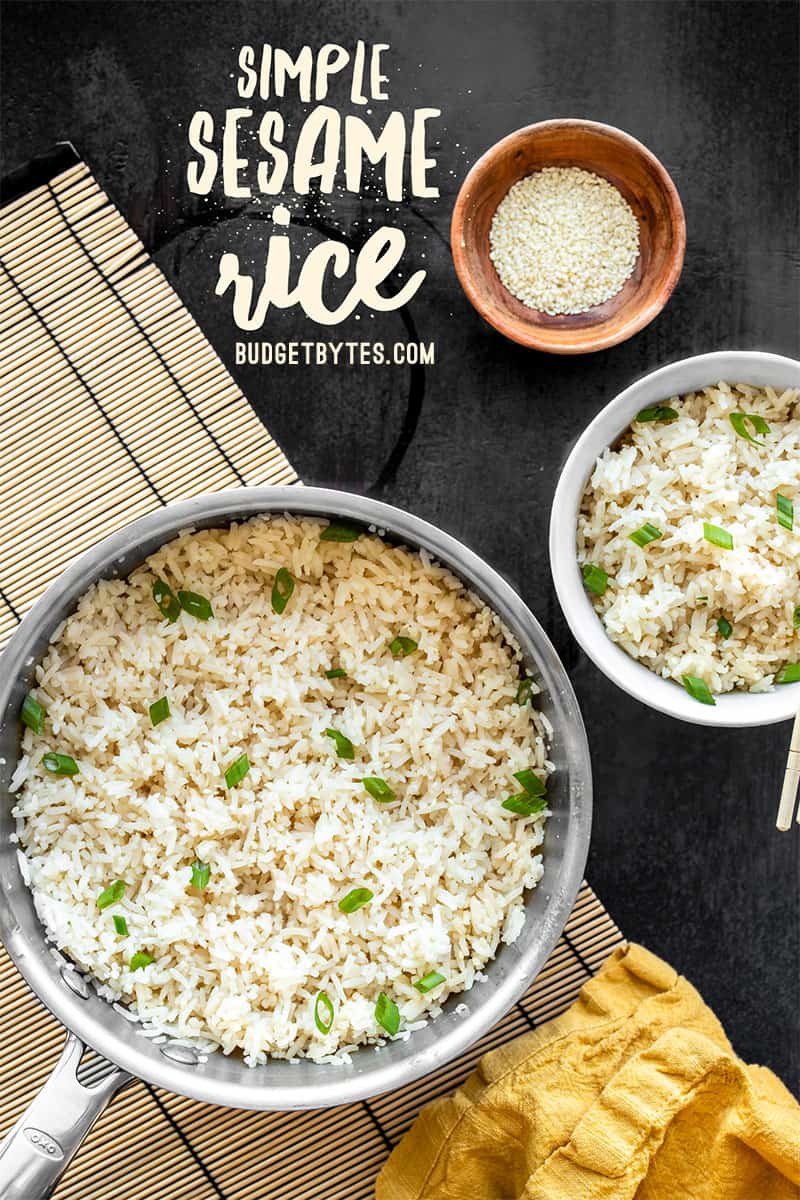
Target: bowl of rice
x: 297, y: 798
x: 568, y: 236
x: 675, y: 539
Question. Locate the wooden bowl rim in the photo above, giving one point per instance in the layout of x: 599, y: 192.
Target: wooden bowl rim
x: 538, y: 338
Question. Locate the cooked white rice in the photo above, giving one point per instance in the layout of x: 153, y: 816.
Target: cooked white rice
x: 240, y: 964
x: 663, y: 601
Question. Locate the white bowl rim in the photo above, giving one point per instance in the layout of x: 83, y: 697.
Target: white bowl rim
x: 733, y: 709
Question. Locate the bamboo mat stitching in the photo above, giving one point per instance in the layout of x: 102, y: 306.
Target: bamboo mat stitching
x: 577, y: 953
x: 77, y: 373
x: 384, y: 1135
x: 6, y: 601
x: 526, y: 1015
x: 159, y: 356
x: 171, y: 1120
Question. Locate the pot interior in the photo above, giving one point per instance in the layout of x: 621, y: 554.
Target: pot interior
x: 280, y: 1084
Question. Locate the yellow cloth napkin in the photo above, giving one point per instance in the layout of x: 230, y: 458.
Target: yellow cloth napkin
x: 633, y: 1092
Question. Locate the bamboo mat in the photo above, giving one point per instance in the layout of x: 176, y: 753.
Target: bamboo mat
x: 112, y: 402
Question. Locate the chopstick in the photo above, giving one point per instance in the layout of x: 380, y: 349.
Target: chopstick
x: 791, y: 780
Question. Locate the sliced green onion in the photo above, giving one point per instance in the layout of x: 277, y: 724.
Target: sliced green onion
x: 121, y: 925
x: 789, y: 674
x: 237, y: 771
x: 594, y: 578
x: 159, y: 711
x: 525, y: 805
x: 658, y: 412
x: 647, y: 533
x: 378, y: 789
x: 112, y: 894
x: 195, y: 606
x: 387, y: 1014
x: 739, y: 422
x: 282, y: 590
x: 532, y: 783
x: 141, y: 959
x: 785, y: 511
x: 724, y: 626
x: 429, y: 982
x: 344, y: 747
x: 60, y: 764
x: 400, y: 647
x: 698, y: 689
x: 717, y: 537
x: 796, y: 617
x: 201, y: 873
x: 323, y: 1012
x: 168, y: 603
x: 339, y: 532
x: 32, y: 713
x: 336, y: 673
x: 524, y: 690
x: 355, y: 900
x: 702, y: 599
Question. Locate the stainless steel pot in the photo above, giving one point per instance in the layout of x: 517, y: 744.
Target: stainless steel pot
x: 39, y: 1147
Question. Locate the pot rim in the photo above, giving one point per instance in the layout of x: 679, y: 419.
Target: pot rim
x: 332, y: 1087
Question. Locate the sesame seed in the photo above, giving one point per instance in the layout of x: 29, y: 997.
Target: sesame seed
x: 563, y: 240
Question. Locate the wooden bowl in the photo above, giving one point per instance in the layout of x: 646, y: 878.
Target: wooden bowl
x: 643, y: 182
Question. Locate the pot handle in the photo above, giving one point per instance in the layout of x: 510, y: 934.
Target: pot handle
x: 39, y: 1148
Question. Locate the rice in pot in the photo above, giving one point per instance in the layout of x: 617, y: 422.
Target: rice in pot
x: 241, y: 962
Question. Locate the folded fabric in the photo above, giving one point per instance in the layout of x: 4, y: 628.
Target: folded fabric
x: 634, y: 1092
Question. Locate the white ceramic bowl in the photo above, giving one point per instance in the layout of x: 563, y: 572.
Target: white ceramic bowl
x: 734, y: 709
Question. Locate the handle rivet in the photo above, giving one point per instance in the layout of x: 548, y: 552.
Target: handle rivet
x: 75, y: 982
x: 187, y: 1056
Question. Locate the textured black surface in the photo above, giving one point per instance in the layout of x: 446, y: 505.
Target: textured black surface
x: 684, y: 853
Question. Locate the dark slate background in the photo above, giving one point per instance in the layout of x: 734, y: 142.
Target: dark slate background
x: 684, y: 853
